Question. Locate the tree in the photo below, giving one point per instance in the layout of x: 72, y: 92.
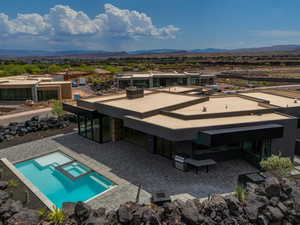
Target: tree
x: 57, y: 108
x: 281, y: 166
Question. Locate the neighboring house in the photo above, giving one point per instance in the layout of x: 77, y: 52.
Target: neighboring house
x: 159, y: 79
x: 217, y: 127
x: 36, y: 88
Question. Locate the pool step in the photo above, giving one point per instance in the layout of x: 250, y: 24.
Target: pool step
x: 101, y: 182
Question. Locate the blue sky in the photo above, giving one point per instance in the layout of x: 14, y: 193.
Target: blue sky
x: 144, y: 24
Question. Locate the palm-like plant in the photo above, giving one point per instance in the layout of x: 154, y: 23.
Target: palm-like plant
x: 56, y: 216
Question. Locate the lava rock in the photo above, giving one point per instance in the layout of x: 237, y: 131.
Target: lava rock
x: 82, y: 211
x: 272, y: 187
x: 3, y: 185
x: 124, y: 214
x: 190, y: 213
x: 68, y: 208
x: 25, y: 217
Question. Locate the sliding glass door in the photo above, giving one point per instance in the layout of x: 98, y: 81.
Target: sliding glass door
x: 257, y: 150
x: 96, y: 129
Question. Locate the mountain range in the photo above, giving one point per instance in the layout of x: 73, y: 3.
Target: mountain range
x: 100, y: 53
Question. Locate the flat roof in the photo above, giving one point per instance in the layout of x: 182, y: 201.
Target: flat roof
x: 150, y: 102
x: 219, y: 105
x: 178, y: 89
x: 17, y: 82
x: 274, y: 99
x: 175, y: 123
x: 109, y: 97
x: 54, y: 82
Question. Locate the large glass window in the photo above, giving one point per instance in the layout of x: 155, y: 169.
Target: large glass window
x: 257, y: 150
x: 141, y: 83
x: 106, y: 129
x: 45, y: 95
x: 97, y: 130
x: 165, y: 148
x: 15, y: 94
x: 89, y: 128
x: 136, y: 137
x: 81, y: 126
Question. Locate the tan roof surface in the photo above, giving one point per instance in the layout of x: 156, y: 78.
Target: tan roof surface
x: 174, y: 123
x: 218, y: 105
x: 109, y: 97
x: 274, y: 99
x: 151, y: 102
x: 18, y: 82
x: 178, y: 89
x: 103, y: 98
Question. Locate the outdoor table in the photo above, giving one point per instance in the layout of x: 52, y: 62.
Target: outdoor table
x: 200, y: 163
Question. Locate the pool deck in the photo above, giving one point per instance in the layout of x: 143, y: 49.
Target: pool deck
x: 129, y: 166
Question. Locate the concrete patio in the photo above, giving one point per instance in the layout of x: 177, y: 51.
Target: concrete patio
x: 131, y: 166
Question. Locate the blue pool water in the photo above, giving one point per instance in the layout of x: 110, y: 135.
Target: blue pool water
x: 57, y: 186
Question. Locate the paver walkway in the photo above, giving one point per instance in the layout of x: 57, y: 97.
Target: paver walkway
x: 133, y: 166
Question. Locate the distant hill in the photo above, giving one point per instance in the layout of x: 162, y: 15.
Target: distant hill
x: 208, y: 50
x: 100, y: 53
x: 275, y: 48
x: 154, y: 51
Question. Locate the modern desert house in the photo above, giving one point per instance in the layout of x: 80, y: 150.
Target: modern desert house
x: 248, y: 125
x: 159, y: 79
x: 36, y: 88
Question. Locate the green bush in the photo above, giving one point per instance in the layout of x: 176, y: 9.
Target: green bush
x: 57, y: 216
x: 241, y: 193
x: 281, y: 166
x: 57, y: 108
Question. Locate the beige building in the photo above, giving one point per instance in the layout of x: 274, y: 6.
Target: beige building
x: 34, y: 87
x: 249, y: 125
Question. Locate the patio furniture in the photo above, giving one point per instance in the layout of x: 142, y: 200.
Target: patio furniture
x: 159, y: 198
x: 179, y: 163
x: 254, y: 177
x: 200, y: 163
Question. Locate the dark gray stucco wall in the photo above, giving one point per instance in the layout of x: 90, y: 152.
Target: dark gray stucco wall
x: 286, y: 145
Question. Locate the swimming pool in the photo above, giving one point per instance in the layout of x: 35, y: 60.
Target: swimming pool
x: 62, y: 179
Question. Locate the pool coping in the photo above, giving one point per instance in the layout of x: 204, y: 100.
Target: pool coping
x: 44, y: 199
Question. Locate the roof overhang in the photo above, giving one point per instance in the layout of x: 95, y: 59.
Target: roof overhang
x: 231, y: 135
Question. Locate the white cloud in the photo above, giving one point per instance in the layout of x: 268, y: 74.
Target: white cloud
x: 63, y: 26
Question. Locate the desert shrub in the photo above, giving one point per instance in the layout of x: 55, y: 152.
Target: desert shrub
x: 281, y: 166
x: 57, y: 216
x: 57, y: 108
x: 241, y: 193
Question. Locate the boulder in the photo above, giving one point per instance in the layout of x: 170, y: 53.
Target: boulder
x: 3, y: 196
x: 69, y: 208
x: 112, y: 218
x: 272, y: 187
x: 35, y: 118
x: 262, y: 220
x: 233, y: 205
x: 3, y: 185
x: 124, y: 214
x: 190, y: 214
x: 82, y: 211
x: 273, y: 213
x: 95, y: 221
x: 25, y: 217
x: 99, y: 212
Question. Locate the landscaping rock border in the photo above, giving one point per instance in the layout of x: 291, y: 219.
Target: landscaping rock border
x: 35, y: 124
x: 271, y: 203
